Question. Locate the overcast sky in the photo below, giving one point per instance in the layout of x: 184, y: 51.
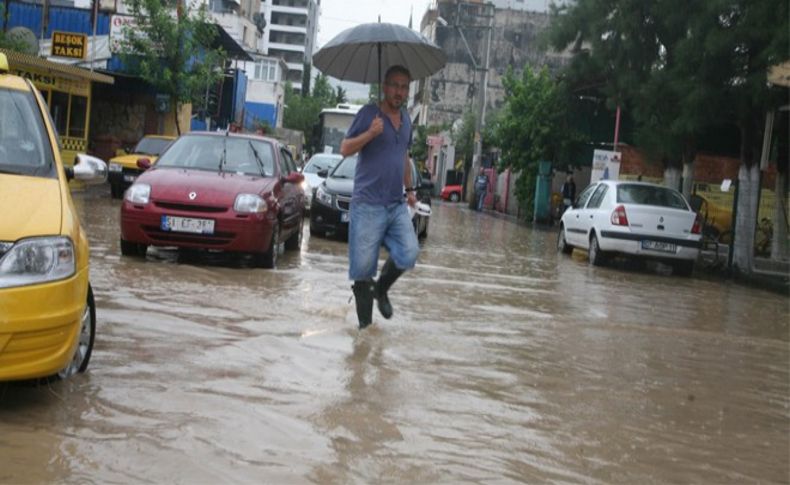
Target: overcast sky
x: 339, y: 15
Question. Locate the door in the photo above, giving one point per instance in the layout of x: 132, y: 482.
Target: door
x: 592, y: 215
x: 292, y: 200
x: 574, y: 232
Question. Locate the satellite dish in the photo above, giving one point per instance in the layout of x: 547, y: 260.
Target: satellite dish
x: 25, y: 38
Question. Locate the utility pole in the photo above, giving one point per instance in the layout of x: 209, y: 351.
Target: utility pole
x: 480, y: 119
x: 486, y: 11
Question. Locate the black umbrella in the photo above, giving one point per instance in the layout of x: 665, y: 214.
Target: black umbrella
x: 365, y: 52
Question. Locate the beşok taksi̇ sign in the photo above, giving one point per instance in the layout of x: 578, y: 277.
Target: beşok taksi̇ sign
x: 605, y: 166
x: 68, y: 44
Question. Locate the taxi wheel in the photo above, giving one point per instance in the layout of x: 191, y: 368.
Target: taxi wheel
x: 268, y: 259
x: 294, y: 242
x: 129, y: 248
x: 82, y: 354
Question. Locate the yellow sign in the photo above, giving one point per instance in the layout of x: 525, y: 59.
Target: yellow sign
x: 68, y: 44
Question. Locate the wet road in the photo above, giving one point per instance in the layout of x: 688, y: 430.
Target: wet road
x: 504, y: 362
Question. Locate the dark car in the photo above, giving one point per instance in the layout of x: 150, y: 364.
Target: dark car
x: 230, y: 192
x: 332, y: 200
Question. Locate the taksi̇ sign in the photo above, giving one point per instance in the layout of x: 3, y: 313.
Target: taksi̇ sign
x: 605, y: 166
x: 69, y: 44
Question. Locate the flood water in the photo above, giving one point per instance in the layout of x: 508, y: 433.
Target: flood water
x: 504, y: 362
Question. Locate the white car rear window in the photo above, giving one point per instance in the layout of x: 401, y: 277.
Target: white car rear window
x: 650, y: 195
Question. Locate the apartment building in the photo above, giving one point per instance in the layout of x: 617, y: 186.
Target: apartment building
x: 290, y: 34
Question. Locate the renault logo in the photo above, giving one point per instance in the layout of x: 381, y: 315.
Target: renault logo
x: 661, y: 219
x: 192, y: 195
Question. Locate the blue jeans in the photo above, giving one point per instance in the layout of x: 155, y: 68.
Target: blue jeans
x: 481, y: 195
x: 370, y: 226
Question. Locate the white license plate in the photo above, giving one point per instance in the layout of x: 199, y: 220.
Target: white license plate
x: 187, y: 224
x: 129, y: 178
x: 659, y: 246
x: 344, y: 217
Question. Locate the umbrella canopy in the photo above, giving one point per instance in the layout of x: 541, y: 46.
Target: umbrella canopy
x: 365, y: 52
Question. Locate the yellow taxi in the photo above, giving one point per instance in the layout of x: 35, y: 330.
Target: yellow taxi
x: 47, y: 312
x: 123, y: 168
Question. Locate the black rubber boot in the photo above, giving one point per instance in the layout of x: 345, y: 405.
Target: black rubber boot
x: 389, y: 273
x: 364, y: 292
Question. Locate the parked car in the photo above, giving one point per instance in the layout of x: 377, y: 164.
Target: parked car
x: 47, y: 310
x: 218, y: 191
x: 332, y: 201
x: 315, y: 171
x: 636, y: 219
x: 716, y: 219
x: 451, y: 193
x: 124, y: 169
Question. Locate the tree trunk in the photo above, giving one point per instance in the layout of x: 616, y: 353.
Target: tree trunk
x: 688, y: 178
x: 672, y: 177
x: 175, y: 113
x: 779, y: 243
x: 746, y: 218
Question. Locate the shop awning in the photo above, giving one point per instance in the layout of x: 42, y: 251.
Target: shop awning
x: 19, y: 60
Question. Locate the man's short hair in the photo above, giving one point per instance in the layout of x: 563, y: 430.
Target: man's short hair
x: 397, y: 69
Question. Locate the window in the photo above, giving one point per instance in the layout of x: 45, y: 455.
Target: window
x: 78, y: 116
x: 650, y: 195
x: 59, y: 108
x: 24, y: 144
x: 266, y: 70
x: 597, y: 197
x: 581, y: 200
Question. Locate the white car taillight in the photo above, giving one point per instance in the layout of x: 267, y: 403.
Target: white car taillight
x: 697, y: 227
x: 618, y: 216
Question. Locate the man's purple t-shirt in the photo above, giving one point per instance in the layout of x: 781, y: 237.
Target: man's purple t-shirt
x: 379, y: 176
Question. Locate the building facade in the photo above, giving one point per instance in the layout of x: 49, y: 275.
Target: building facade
x: 290, y: 34
x: 461, y: 29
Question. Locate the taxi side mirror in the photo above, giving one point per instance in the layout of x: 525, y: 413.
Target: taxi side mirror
x: 143, y: 163
x: 88, y: 169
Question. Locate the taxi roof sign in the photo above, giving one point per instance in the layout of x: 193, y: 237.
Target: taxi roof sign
x: 3, y: 63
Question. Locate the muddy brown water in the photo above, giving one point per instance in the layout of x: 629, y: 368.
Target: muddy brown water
x: 505, y: 362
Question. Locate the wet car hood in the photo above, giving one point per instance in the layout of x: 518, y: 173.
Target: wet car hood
x: 31, y: 206
x: 212, y: 188
x: 340, y: 186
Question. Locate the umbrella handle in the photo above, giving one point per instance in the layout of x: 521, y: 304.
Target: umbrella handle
x: 379, y: 68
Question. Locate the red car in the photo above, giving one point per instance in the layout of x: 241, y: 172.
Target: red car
x: 223, y: 191
x: 451, y: 193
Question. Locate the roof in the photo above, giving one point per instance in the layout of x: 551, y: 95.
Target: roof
x: 230, y: 46
x: 19, y: 60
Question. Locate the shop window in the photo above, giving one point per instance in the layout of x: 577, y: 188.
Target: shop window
x: 59, y: 108
x: 79, y: 110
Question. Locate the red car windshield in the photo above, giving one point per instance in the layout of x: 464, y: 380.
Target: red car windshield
x: 220, y: 154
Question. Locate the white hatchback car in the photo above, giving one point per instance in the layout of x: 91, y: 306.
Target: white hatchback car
x: 322, y: 163
x: 635, y: 219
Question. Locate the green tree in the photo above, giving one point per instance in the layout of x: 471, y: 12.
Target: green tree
x: 173, y: 53
x: 7, y: 42
x: 340, y: 95
x: 323, y: 92
x: 533, y: 125
x: 680, y: 67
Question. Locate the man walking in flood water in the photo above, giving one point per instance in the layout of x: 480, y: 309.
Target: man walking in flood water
x: 382, y: 135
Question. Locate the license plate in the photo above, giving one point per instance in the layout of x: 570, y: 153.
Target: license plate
x: 659, y: 246
x: 129, y: 178
x: 344, y: 217
x: 187, y: 224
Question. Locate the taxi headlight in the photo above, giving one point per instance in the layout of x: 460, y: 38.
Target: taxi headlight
x: 138, y: 194
x: 37, y: 260
x: 115, y: 167
x: 323, y: 196
x: 249, y: 204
